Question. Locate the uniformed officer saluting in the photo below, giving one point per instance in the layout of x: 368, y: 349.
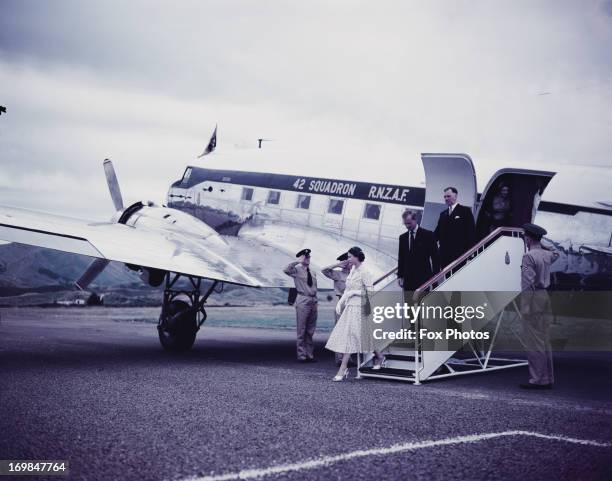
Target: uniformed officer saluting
x: 535, y: 308
x: 305, y: 304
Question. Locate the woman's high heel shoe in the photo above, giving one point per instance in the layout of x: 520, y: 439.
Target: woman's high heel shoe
x: 341, y: 377
x: 378, y: 367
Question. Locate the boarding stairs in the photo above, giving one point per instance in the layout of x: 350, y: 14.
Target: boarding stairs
x: 490, y: 273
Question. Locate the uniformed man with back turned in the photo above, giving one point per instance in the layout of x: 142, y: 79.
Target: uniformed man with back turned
x: 535, y: 308
x: 305, y: 304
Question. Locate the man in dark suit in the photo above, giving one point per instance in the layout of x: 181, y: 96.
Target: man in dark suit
x: 417, y: 259
x: 456, y: 230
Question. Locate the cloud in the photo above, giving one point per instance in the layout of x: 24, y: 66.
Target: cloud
x: 145, y: 82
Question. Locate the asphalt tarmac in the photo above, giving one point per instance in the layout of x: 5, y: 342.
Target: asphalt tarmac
x: 103, y: 395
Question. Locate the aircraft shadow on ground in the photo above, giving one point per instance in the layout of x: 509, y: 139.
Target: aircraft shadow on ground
x: 204, y: 353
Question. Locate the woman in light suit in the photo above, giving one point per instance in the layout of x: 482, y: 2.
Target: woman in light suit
x: 350, y: 335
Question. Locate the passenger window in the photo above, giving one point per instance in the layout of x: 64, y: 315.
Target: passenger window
x: 303, y: 202
x: 335, y: 206
x: 274, y: 197
x: 247, y: 193
x: 371, y: 211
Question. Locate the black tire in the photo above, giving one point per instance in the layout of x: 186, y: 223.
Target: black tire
x: 177, y: 332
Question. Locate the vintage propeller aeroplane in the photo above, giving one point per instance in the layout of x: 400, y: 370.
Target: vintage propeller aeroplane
x: 240, y: 227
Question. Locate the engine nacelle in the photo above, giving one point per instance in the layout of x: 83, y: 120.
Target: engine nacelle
x: 149, y: 275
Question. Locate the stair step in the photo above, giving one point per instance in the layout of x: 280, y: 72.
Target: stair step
x: 400, y: 357
x: 396, y: 363
x: 385, y: 371
x: 400, y: 350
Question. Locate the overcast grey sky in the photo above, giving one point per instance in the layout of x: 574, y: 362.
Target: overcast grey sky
x: 144, y: 82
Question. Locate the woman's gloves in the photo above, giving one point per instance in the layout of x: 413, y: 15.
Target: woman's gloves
x: 340, y: 305
x: 345, y: 297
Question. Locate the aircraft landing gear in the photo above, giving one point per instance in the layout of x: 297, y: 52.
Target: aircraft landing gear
x: 181, y: 319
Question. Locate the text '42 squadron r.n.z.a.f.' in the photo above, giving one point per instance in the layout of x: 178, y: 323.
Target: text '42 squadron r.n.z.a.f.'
x: 242, y: 227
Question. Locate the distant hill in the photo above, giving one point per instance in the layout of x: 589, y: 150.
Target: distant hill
x: 33, y: 268
x: 36, y: 276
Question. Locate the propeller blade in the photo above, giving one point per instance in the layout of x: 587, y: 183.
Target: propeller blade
x: 113, y: 184
x: 93, y: 271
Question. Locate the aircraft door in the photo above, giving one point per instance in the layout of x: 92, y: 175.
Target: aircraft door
x: 446, y: 170
x: 510, y: 199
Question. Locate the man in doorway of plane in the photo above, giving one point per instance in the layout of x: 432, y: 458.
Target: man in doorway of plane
x: 456, y: 229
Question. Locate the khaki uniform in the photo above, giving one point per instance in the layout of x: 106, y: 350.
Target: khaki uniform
x: 305, y: 308
x: 536, y: 313
x: 339, y: 277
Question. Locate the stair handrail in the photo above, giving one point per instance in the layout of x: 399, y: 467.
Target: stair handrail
x: 384, y: 276
x: 472, y: 250
x: 498, y: 232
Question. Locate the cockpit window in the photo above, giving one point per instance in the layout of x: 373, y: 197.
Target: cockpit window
x: 303, y: 202
x: 247, y: 193
x: 371, y: 211
x: 186, y: 175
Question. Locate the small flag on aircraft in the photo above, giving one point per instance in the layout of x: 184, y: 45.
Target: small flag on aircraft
x: 2, y: 109
x: 212, y: 143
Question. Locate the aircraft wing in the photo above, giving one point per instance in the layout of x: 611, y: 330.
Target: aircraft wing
x: 263, y: 251
x: 159, y: 249
x: 264, y: 263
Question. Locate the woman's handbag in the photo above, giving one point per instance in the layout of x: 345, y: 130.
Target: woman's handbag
x: 366, y: 307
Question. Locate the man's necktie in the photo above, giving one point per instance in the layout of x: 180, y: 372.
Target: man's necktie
x: 450, y: 211
x: 309, y: 281
x: 411, y: 240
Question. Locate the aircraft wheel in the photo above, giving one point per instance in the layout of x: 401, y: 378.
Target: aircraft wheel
x: 177, y: 331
